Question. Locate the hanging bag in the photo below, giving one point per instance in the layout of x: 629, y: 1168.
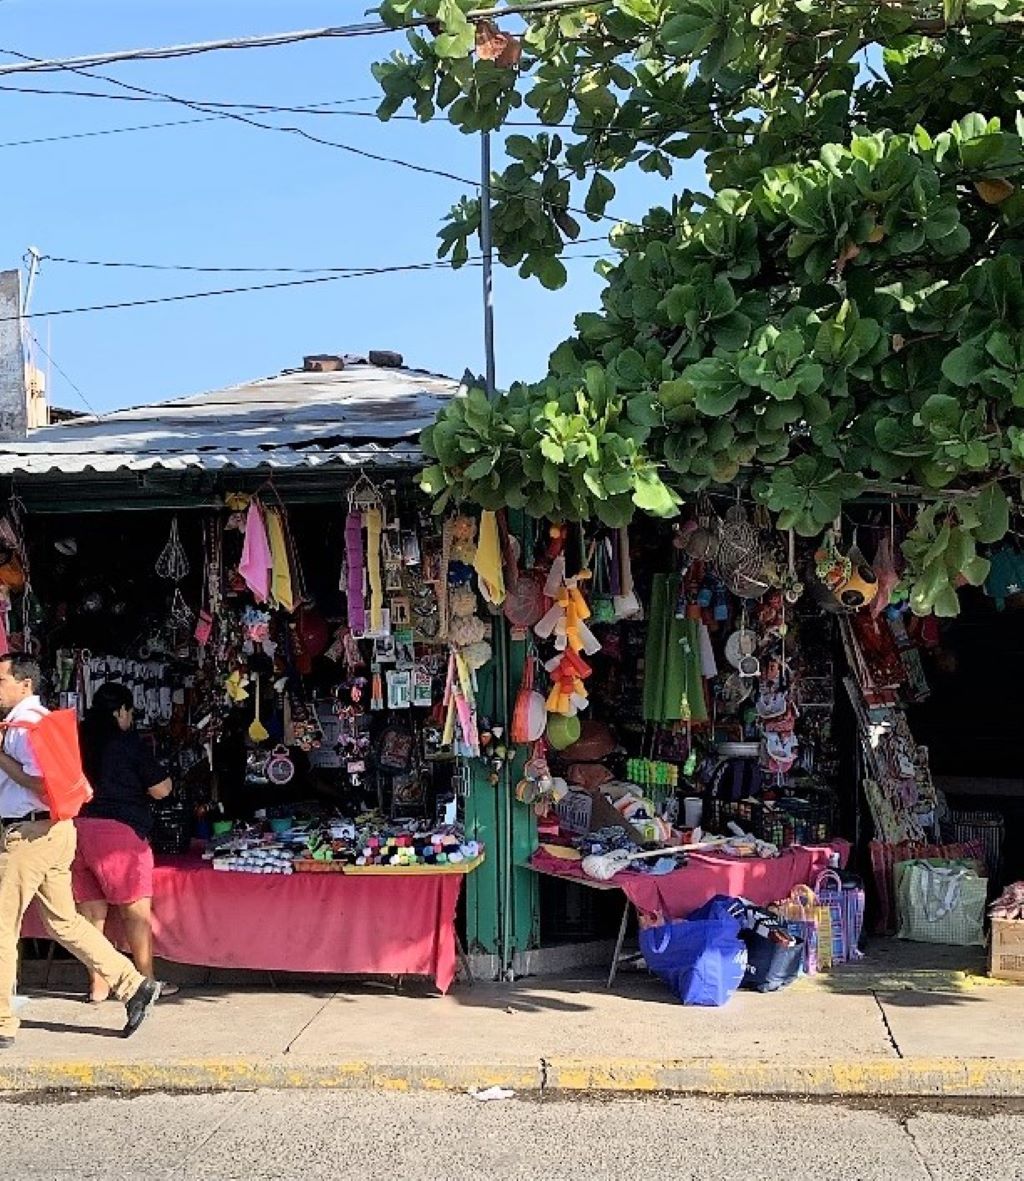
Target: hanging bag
x: 53, y: 739
x: 602, y: 602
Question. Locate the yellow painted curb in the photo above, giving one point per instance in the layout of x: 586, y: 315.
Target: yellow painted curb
x: 881, y: 1076
x: 239, y: 1074
x: 946, y: 1077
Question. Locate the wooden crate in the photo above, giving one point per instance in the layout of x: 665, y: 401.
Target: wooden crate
x: 1006, y: 957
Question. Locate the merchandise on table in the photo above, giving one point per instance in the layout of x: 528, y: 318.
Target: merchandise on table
x: 335, y: 845
x: 273, y: 653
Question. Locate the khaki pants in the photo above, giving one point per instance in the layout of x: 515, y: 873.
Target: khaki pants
x: 35, y: 862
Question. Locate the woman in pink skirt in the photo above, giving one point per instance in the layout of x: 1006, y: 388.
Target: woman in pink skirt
x: 114, y: 862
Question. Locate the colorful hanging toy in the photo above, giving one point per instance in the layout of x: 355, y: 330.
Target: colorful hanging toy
x: 565, y: 623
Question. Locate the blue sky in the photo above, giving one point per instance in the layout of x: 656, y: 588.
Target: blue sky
x: 223, y: 194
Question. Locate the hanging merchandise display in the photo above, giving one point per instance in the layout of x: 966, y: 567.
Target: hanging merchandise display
x: 255, y: 563
x: 301, y: 715
x: 721, y: 681
x: 714, y: 706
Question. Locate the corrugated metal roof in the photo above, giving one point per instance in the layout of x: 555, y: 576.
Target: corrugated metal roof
x: 360, y: 416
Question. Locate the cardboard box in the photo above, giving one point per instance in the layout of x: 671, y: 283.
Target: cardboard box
x: 1006, y: 958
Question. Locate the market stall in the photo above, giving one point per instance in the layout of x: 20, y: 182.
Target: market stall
x: 306, y: 741
x: 296, y: 646
x: 360, y: 683
x: 718, y: 708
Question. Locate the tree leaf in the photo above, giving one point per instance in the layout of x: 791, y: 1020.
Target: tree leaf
x: 599, y: 194
x: 993, y: 508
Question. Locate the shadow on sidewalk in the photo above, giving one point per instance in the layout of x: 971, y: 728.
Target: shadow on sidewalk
x: 926, y: 1000
x: 61, y: 1027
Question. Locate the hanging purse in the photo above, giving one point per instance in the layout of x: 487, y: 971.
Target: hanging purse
x: 602, y: 604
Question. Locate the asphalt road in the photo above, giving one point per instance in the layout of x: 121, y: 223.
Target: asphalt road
x: 308, y: 1135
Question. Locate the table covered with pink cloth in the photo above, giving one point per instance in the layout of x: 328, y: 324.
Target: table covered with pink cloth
x: 302, y: 922
x: 677, y: 894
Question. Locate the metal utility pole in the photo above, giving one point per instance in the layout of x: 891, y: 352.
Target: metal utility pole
x: 502, y: 654
x: 487, y: 249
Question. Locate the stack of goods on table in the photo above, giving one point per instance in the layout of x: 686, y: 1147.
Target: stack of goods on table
x: 372, y: 844
x: 343, y: 846
x: 413, y: 845
x: 798, y: 817
x: 250, y: 850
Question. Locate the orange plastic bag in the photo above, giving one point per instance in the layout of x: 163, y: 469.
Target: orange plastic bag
x: 54, y: 742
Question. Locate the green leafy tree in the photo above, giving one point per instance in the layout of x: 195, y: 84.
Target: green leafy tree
x: 842, y: 309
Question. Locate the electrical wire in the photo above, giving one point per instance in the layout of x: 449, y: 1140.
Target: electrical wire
x: 649, y: 129
x: 303, y: 109
x: 270, y: 40
x: 74, y: 385
x: 53, y: 139
x: 158, y: 266
x: 330, y: 143
x: 288, y: 283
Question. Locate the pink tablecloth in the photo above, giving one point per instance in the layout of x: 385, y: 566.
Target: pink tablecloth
x: 677, y: 894
x: 303, y: 922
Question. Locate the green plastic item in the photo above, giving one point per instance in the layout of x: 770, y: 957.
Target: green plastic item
x: 563, y: 731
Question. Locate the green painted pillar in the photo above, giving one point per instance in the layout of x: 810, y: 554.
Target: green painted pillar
x: 502, y: 897
x: 483, y: 887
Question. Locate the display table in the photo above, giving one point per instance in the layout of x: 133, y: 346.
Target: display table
x: 676, y: 895
x: 303, y: 922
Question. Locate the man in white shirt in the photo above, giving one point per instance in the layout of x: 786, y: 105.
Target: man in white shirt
x: 35, y: 862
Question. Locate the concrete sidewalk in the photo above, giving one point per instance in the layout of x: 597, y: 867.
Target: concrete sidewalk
x: 881, y: 1027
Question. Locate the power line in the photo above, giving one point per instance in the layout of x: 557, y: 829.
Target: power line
x: 53, y: 139
x: 330, y: 143
x: 85, y: 401
x: 650, y: 129
x: 319, y: 108
x: 271, y: 40
x: 157, y: 266
x: 364, y: 29
x: 367, y: 273
x: 325, y: 109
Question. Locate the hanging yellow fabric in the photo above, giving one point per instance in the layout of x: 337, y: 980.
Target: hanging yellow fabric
x: 280, y: 568
x: 488, y: 560
x: 373, y: 532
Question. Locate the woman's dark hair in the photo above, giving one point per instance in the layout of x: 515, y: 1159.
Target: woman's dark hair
x: 99, y: 725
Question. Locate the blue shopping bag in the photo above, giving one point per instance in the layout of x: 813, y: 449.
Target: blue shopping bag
x: 702, y: 958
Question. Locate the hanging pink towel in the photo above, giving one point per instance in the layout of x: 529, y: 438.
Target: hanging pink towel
x: 256, y: 559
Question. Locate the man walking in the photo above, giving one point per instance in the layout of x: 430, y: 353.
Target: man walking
x: 35, y: 862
